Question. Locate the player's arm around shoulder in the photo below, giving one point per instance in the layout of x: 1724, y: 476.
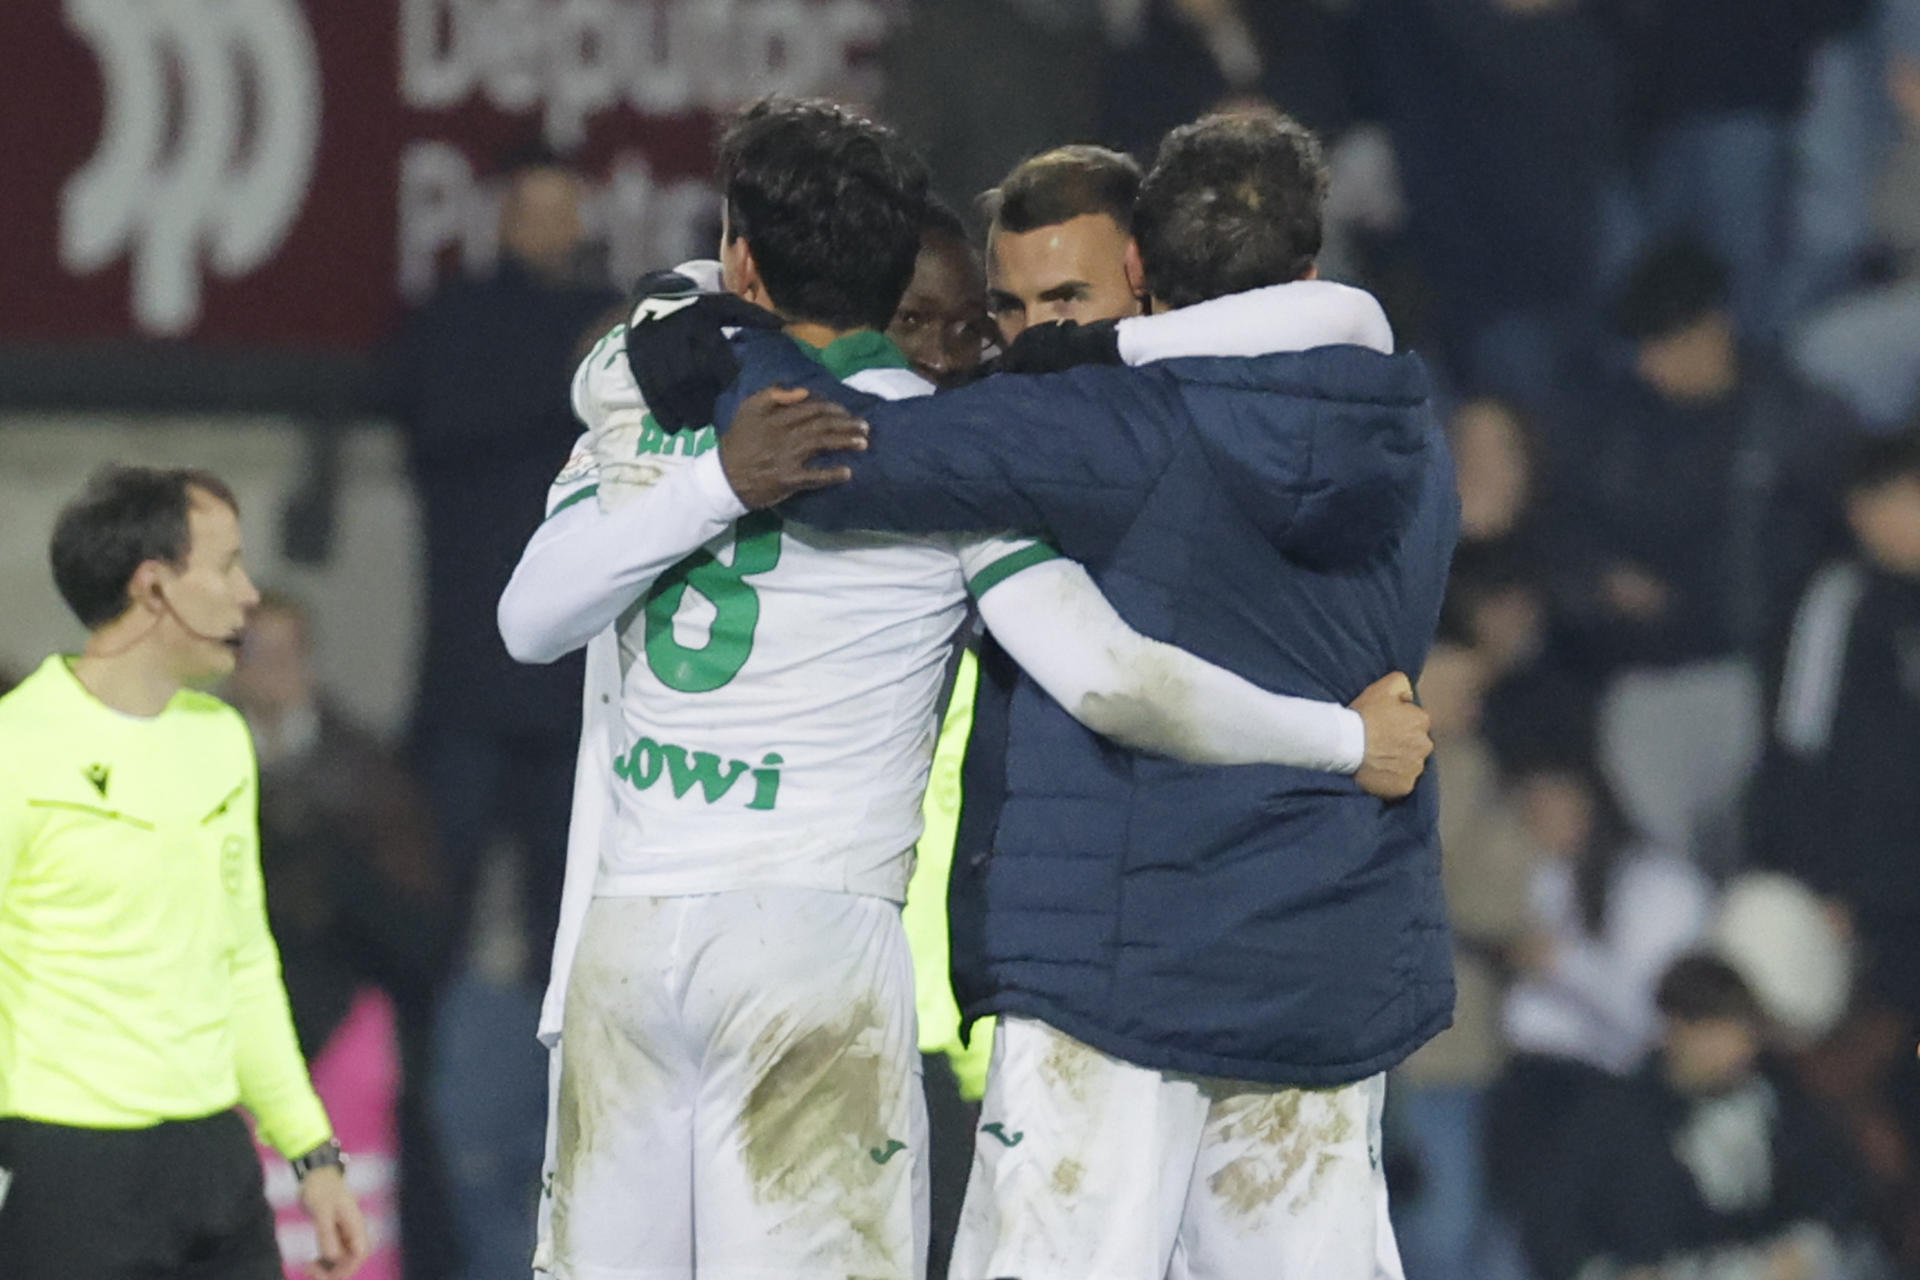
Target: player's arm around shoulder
x: 588, y: 562
x: 1055, y: 457
x: 1052, y: 618
x: 631, y: 502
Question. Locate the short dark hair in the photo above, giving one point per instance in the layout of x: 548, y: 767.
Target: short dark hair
x: 1884, y: 459
x: 938, y: 218
x: 1063, y: 184
x: 831, y: 202
x: 1700, y: 987
x: 1673, y: 287
x: 125, y: 517
x: 1233, y: 202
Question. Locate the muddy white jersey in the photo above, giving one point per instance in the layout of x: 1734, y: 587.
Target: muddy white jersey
x: 778, y: 689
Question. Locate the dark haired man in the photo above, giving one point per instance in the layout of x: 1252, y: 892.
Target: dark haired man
x: 1200, y: 974
x: 1693, y: 490
x: 739, y: 1046
x: 140, y: 992
x: 1833, y: 803
x: 1707, y: 1161
x: 1060, y: 241
x: 941, y: 324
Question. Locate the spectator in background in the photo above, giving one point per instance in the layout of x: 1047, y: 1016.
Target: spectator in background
x: 1837, y: 805
x: 1689, y: 499
x: 1502, y: 117
x: 1839, y: 144
x: 1493, y: 465
x: 1708, y: 1162
x: 355, y: 899
x: 977, y: 85
x: 1496, y: 592
x: 1176, y: 60
x: 1712, y: 90
x: 1865, y: 347
x: 1608, y: 913
x: 1439, y: 1094
x: 480, y: 388
x: 481, y: 391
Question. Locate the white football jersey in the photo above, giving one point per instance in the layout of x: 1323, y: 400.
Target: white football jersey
x: 778, y: 687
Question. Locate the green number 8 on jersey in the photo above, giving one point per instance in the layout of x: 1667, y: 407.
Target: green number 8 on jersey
x: 756, y: 549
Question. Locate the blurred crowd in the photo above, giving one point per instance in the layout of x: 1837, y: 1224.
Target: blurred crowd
x: 1664, y: 259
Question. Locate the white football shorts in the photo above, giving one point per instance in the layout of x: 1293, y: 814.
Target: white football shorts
x: 1089, y: 1168
x: 740, y: 1084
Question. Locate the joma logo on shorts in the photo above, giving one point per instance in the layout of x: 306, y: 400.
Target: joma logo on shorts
x: 650, y: 761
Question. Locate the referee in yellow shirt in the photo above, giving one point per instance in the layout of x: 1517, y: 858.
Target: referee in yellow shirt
x: 140, y: 991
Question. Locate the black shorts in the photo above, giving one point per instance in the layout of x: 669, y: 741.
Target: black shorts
x: 183, y: 1200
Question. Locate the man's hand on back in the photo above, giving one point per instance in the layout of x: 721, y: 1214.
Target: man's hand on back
x: 773, y: 438
x: 1398, y: 739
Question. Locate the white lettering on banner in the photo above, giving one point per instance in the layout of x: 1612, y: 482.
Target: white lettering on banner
x: 576, y: 58
x: 228, y: 182
x: 643, y: 221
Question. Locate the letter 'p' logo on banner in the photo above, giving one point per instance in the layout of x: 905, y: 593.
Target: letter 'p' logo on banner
x: 207, y: 144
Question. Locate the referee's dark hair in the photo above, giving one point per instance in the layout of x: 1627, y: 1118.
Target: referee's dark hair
x: 1063, y: 184
x: 125, y: 517
x: 830, y: 203
x: 1233, y: 202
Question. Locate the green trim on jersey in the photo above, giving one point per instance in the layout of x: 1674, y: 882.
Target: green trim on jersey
x: 857, y: 352
x: 577, y: 496
x: 1008, y: 565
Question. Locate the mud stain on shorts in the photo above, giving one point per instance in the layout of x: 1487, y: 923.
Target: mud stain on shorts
x: 819, y: 1105
x: 603, y: 1077
x: 1070, y: 1068
x: 1067, y: 1177
x: 1287, y: 1140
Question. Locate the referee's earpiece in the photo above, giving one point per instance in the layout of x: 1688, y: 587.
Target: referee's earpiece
x: 231, y: 639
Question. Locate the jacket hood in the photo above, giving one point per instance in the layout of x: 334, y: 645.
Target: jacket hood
x: 1326, y: 451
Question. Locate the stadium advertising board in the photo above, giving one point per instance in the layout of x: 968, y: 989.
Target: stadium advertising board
x: 285, y: 173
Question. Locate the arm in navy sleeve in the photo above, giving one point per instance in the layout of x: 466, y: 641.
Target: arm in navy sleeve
x: 1062, y: 456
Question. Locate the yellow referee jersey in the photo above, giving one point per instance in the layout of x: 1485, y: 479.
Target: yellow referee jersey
x: 138, y: 980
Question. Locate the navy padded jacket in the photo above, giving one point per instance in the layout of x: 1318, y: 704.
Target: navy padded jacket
x: 1289, y: 517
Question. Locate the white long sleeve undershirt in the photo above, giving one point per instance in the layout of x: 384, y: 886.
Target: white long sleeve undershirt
x: 585, y: 565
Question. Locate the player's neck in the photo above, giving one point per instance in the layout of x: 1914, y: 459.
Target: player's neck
x: 818, y: 336
x: 131, y: 675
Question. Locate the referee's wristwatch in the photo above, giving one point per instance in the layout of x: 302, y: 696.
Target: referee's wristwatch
x: 327, y: 1155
